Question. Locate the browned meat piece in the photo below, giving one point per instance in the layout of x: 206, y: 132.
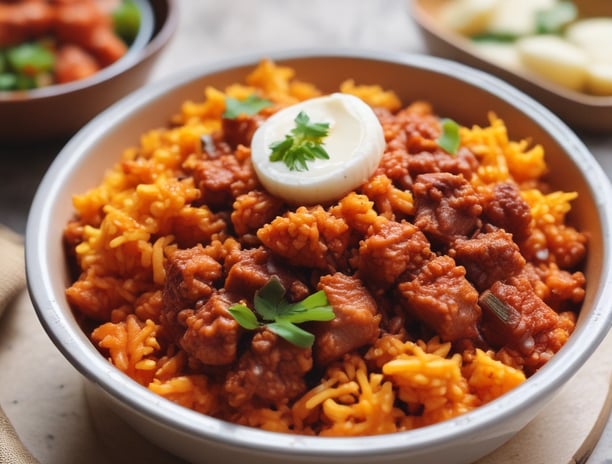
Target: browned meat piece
x: 556, y: 243
x: 271, y: 372
x: 96, y: 296
x: 213, y: 145
x: 443, y: 299
x: 190, y: 277
x: 464, y: 163
x: 105, y: 45
x: 73, y: 235
x: 567, y: 245
x: 24, y: 20
x: 356, y: 322
x: 309, y: 237
x: 558, y: 288
x: 527, y: 325
x: 527, y: 314
x: 240, y: 130
x: 414, y: 128
x: 412, y: 147
x: 74, y: 21
x: 253, y: 210
x: 85, y: 24
x: 73, y: 63
x: 249, y: 270
x: 488, y: 257
x: 394, y: 165
x: 212, y: 333
x: 509, y: 211
x: 392, y: 249
x: 565, y: 290
x: 222, y: 179
x: 390, y: 202
x: 447, y: 206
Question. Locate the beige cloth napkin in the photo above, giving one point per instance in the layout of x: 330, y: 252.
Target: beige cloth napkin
x: 12, y: 269
x: 12, y: 281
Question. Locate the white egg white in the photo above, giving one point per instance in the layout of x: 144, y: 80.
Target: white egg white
x: 355, y: 144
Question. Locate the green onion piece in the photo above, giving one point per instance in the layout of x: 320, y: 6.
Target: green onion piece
x: 497, y: 37
x: 30, y: 59
x: 8, y: 81
x: 505, y: 313
x: 126, y: 20
x: 449, y: 138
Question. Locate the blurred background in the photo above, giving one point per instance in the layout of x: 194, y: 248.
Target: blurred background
x: 212, y: 30
x: 208, y: 31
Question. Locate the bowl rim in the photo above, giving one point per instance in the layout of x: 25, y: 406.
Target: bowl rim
x: 84, y: 358
x: 147, y: 42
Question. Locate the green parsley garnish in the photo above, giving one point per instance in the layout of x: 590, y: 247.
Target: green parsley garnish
x: 302, y: 144
x: 449, y: 138
x: 280, y: 316
x: 252, y: 104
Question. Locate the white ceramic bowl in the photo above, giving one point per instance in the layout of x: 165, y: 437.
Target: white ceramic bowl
x: 456, y: 91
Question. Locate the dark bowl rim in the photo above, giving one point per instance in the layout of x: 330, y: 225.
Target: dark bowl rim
x: 156, y: 42
x: 137, y: 398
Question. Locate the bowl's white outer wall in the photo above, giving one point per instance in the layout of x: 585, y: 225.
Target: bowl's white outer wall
x: 456, y: 91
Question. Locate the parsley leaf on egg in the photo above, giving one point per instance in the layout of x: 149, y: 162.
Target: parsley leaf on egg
x: 280, y: 316
x: 252, y: 104
x: 303, y: 144
x: 449, y: 138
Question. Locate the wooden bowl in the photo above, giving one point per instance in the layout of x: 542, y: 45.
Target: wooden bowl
x: 581, y: 111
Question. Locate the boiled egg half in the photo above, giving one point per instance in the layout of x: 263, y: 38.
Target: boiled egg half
x: 355, y: 143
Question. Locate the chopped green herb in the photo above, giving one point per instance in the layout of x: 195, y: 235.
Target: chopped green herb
x: 449, y: 138
x: 280, y: 316
x: 552, y: 20
x: 252, y: 104
x: 292, y: 333
x: 505, y: 313
x: 244, y: 316
x: 497, y: 37
x: 303, y: 144
x: 8, y: 81
x: 126, y: 20
x: 30, y: 59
